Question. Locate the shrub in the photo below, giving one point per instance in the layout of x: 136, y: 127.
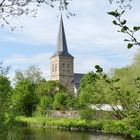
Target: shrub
x: 88, y: 114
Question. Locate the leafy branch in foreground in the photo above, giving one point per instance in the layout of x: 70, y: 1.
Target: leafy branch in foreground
x: 129, y: 101
x: 122, y: 24
x: 15, y: 8
x: 123, y: 4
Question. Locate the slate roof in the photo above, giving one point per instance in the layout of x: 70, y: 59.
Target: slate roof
x: 77, y: 77
x: 62, y: 49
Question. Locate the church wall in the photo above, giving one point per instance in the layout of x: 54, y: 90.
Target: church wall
x: 66, y: 72
x: 54, y: 68
x: 62, y: 70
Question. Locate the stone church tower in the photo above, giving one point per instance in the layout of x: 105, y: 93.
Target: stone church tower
x: 62, y: 68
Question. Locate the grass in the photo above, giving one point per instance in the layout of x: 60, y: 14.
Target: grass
x: 106, y: 126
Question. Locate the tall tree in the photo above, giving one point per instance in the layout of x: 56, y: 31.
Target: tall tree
x: 32, y: 73
x: 25, y: 97
x: 46, y: 91
x: 92, y: 89
x: 7, y: 113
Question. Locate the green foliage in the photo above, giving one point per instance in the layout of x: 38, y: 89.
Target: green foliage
x: 105, y: 126
x: 5, y: 93
x: 129, y: 83
x: 60, y: 101
x: 32, y: 73
x: 87, y: 114
x: 114, y: 13
x: 88, y: 79
x: 122, y: 24
x: 7, y: 113
x: 92, y: 89
x: 45, y: 105
x: 50, y: 97
x: 123, y: 92
x: 4, y: 70
x: 129, y: 45
x: 25, y: 97
x: 73, y: 103
x: 49, y: 88
x: 136, y: 28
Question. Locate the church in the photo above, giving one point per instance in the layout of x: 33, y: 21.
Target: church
x: 62, y: 64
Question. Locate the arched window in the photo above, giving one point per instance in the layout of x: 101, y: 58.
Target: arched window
x: 68, y: 68
x: 55, y: 67
x: 63, y: 67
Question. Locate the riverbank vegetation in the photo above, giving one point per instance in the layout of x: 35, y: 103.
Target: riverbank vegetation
x: 34, y: 98
x: 119, y: 127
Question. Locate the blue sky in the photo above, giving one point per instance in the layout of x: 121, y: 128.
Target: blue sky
x: 91, y: 37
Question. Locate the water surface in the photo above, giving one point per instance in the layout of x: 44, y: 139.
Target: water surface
x: 31, y: 133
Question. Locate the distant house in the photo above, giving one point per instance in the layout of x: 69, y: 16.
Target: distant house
x: 106, y: 107
x: 62, y: 64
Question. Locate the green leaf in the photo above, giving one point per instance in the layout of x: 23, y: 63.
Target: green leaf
x: 126, y: 40
x: 111, y: 88
x: 124, y: 29
x: 108, y: 81
x: 138, y: 78
x: 115, y: 14
x: 114, y: 22
x: 136, y: 28
x: 129, y: 45
x: 100, y: 70
x: 111, y: 13
x: 97, y: 67
x: 123, y: 22
x: 122, y: 12
x: 105, y: 76
x: 116, y: 80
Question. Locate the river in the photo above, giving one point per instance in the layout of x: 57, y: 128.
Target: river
x: 30, y: 133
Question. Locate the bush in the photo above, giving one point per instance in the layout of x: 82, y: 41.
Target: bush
x: 88, y: 114
x: 60, y: 101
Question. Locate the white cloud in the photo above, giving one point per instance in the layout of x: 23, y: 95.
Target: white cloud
x: 91, y: 37
x: 20, y: 59
x: 22, y: 62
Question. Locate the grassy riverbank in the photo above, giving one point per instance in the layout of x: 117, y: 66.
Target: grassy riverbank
x: 105, y: 126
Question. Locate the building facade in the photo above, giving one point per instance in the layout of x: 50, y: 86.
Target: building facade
x: 62, y: 63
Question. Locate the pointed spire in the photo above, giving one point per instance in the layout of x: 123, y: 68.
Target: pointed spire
x: 62, y: 48
x: 61, y: 40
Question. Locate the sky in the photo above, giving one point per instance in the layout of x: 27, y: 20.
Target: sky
x: 91, y: 37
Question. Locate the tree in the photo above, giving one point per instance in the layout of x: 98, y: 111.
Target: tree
x: 25, y: 94
x: 25, y: 97
x: 60, y: 101
x: 124, y: 27
x: 128, y: 98
x: 128, y: 74
x: 32, y: 73
x: 5, y: 106
x: 73, y: 103
x: 88, y: 114
x: 7, y: 114
x: 50, y: 88
x: 92, y: 90
x: 47, y: 91
x: 45, y: 105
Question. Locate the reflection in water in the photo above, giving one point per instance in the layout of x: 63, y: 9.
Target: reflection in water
x: 53, y: 134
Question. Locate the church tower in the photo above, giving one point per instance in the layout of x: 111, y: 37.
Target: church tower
x: 62, y: 61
